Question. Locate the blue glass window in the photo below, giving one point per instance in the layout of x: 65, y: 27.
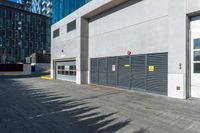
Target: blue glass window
x: 79, y: 3
x: 72, y: 5
x: 62, y: 8
x: 196, y: 67
x: 196, y: 55
x: 197, y: 43
x: 66, y: 8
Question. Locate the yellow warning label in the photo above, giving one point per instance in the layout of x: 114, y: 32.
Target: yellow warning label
x: 151, y: 68
x: 126, y: 65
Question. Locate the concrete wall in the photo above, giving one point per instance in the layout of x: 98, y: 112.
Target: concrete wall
x: 141, y: 26
x: 193, y: 6
x: 177, y: 48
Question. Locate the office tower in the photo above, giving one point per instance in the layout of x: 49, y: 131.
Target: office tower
x: 22, y: 33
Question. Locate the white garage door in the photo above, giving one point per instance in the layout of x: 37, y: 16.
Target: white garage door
x: 195, y: 54
x: 66, y: 70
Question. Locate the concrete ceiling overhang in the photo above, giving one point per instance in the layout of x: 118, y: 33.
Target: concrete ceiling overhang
x: 103, y: 8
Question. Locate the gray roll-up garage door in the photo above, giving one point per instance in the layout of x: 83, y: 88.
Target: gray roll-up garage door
x: 66, y: 70
x: 94, y: 71
x: 148, y: 72
x: 102, y: 71
x: 138, y: 66
x: 157, y: 70
x: 123, y: 72
x: 112, y: 71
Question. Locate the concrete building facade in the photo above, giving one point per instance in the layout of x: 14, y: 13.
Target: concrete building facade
x: 162, y: 36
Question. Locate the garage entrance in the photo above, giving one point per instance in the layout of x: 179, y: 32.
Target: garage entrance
x: 195, y: 57
x: 66, y: 70
x: 147, y: 72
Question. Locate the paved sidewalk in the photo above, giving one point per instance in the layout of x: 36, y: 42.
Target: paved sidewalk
x: 34, y: 105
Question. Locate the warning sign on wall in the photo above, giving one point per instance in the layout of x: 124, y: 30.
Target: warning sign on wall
x: 113, y: 68
x: 151, y: 68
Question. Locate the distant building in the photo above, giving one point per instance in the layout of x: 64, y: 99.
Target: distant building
x: 47, y: 7
x: 43, y: 7
x: 22, y: 33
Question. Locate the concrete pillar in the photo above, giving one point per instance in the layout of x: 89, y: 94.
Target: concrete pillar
x: 177, y: 49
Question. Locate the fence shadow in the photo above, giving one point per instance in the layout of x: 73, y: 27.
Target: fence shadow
x: 27, y: 110
x: 142, y: 130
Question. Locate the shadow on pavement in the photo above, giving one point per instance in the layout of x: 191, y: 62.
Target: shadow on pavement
x: 142, y: 130
x: 25, y: 109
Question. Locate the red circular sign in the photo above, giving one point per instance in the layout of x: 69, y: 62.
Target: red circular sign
x: 129, y: 52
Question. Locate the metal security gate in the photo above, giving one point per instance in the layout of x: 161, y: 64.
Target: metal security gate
x: 102, y: 71
x: 147, y: 72
x: 66, y: 70
x: 123, y: 72
x: 157, y: 73
x: 94, y: 71
x: 138, y: 72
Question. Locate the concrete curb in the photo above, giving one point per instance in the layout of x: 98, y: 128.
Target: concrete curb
x: 8, y: 75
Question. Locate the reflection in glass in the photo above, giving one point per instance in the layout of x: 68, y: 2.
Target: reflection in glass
x: 197, y: 43
x: 62, y: 8
x: 62, y: 72
x: 72, y: 67
x: 196, y: 67
x: 71, y: 73
x: 196, y: 55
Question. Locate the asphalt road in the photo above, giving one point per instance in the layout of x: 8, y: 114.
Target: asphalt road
x: 34, y: 105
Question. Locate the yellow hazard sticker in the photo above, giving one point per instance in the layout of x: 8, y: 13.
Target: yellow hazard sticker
x: 126, y: 65
x: 151, y: 68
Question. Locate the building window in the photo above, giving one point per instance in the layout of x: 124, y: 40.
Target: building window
x: 1, y: 23
x: 196, y: 55
x: 3, y: 32
x: 67, y: 70
x: 10, y: 33
x: 71, y: 26
x: 196, y: 67
x: 56, y: 33
x: 28, y: 18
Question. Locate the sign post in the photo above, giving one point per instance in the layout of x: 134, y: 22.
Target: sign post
x: 129, y: 52
x: 129, y: 65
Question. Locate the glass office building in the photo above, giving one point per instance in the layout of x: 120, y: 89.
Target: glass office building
x: 62, y: 8
x: 43, y: 7
x: 22, y: 33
